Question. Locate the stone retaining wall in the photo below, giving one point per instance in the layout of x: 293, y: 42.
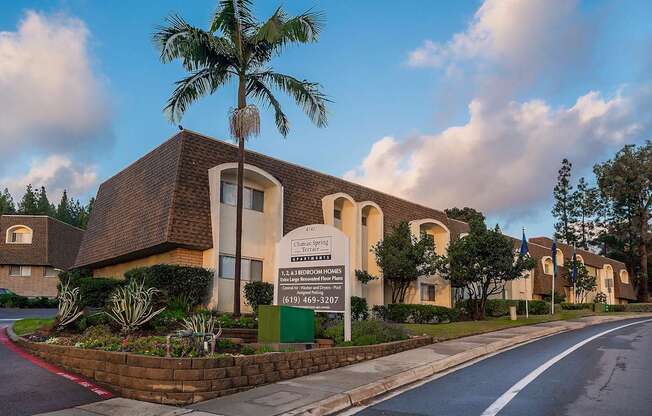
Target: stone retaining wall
x: 183, y: 381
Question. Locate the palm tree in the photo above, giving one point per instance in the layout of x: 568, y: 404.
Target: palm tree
x: 237, y: 48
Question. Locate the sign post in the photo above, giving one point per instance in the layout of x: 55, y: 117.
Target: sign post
x: 312, y: 265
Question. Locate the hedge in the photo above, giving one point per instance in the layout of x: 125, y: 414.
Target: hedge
x: 173, y: 280
x: 418, y: 314
x: 638, y: 307
x: 535, y: 307
x: 13, y: 300
x: 94, y: 292
x: 576, y: 306
x: 494, y: 307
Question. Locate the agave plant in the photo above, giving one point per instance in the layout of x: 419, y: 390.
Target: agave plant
x: 131, y: 306
x: 69, y: 309
x: 201, y: 323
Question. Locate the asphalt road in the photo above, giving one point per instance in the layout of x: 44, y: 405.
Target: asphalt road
x: 609, y: 375
x: 25, y: 388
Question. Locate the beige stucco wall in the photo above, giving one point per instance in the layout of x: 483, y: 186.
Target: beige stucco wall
x: 32, y: 286
x: 180, y: 256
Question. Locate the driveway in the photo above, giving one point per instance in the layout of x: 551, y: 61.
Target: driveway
x: 27, y: 388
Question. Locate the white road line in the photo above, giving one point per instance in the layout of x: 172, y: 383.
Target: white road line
x: 507, y: 397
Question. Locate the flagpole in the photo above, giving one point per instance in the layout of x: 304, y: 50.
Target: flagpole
x: 552, y: 304
x: 574, y: 275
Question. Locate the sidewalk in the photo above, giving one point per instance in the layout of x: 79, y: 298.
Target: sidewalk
x: 338, y: 389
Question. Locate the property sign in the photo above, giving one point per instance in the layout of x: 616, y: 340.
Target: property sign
x: 313, y: 270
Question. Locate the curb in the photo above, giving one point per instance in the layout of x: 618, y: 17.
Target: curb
x: 11, y: 334
x: 345, y: 400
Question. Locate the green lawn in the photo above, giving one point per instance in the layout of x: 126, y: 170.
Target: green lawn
x: 442, y: 332
x: 25, y: 326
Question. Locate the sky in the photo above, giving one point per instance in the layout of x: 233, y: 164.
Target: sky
x: 447, y: 103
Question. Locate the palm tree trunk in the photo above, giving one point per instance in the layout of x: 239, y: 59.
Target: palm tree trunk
x: 242, y: 103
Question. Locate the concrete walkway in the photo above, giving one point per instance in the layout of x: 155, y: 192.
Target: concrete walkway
x: 335, y: 390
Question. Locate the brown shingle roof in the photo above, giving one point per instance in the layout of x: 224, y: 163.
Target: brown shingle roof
x: 54, y: 243
x: 621, y: 290
x: 162, y: 200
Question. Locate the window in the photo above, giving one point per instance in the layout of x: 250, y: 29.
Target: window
x: 252, y: 270
x: 252, y: 199
x: 427, y: 292
x: 22, y: 271
x: 364, y: 221
x: 624, y: 276
x: 547, y: 265
x: 19, y: 234
x: 337, y: 214
x: 50, y: 271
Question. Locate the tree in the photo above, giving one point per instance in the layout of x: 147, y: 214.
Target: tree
x: 625, y: 184
x: 43, y: 206
x: 7, y: 205
x: 481, y: 263
x: 63, y: 212
x: 586, y: 200
x: 584, y: 282
x: 238, y: 48
x: 402, y: 258
x: 565, y: 209
x: 465, y: 214
x: 86, y: 214
x: 28, y: 204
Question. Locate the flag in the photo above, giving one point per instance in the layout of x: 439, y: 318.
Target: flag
x: 574, y: 272
x: 554, y: 256
x: 524, y: 248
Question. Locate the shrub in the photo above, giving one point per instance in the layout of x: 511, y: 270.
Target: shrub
x: 418, y: 314
x: 638, y: 307
x: 494, y: 307
x: 131, y: 306
x: 559, y: 297
x: 367, y: 333
x: 13, y: 300
x: 168, y: 320
x: 93, y: 291
x: 359, y: 309
x: 576, y: 306
x: 258, y: 293
x: 616, y: 308
x: 380, y: 312
x: 179, y: 303
x: 536, y: 307
x: 173, y: 280
x: 600, y: 297
x: 227, y: 321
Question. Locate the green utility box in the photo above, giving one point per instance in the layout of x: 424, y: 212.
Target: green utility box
x: 285, y: 324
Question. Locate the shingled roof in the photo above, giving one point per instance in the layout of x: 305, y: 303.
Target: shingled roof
x: 161, y: 201
x: 543, y: 282
x: 54, y: 243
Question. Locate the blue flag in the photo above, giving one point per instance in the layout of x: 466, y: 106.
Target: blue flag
x: 524, y: 248
x: 554, y: 255
x: 574, y: 272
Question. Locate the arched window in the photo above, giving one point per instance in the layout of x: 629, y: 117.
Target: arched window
x: 560, y: 258
x: 19, y: 234
x: 624, y: 276
x: 547, y: 265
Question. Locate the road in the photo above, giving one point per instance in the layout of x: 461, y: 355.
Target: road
x: 27, y: 389
x: 609, y: 375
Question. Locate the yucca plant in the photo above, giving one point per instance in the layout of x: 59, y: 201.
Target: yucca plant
x: 201, y: 323
x: 238, y: 49
x: 69, y: 305
x: 131, y: 306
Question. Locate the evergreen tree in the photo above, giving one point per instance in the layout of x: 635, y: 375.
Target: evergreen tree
x: 43, y: 206
x: 86, y: 214
x: 465, y: 214
x: 28, y: 204
x: 63, y: 212
x: 565, y: 209
x: 586, y: 200
x: 7, y: 205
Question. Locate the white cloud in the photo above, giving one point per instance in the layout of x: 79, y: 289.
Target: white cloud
x: 52, y: 100
x: 56, y: 173
x: 509, y: 43
x: 503, y: 160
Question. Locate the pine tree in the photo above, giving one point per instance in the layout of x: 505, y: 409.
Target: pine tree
x: 7, y: 205
x: 63, y: 212
x: 28, y: 204
x: 43, y: 206
x: 83, y: 220
x: 586, y: 199
x: 565, y: 209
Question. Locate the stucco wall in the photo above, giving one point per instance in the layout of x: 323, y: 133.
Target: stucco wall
x: 32, y: 286
x: 180, y: 256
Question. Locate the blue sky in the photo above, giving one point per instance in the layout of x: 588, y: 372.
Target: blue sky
x: 448, y: 103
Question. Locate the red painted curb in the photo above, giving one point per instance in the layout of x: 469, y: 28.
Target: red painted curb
x: 4, y: 340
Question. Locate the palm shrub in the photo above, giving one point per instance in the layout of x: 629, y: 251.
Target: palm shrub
x: 238, y: 48
x: 69, y: 305
x: 132, y: 305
